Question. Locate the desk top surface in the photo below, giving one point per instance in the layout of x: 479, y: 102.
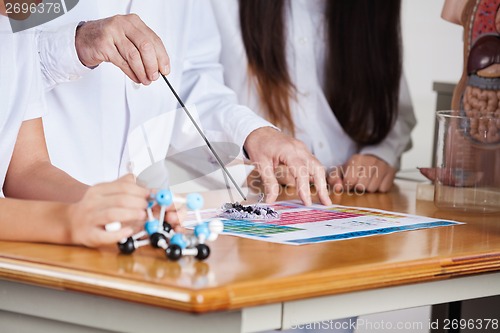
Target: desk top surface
x: 242, y: 272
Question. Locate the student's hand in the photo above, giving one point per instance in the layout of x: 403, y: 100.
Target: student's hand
x: 125, y: 41
x: 174, y: 215
x: 368, y: 173
x: 269, y: 148
x: 122, y: 200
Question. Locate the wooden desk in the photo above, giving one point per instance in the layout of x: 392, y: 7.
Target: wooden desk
x: 248, y: 285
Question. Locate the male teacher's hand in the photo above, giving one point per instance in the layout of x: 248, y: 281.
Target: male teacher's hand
x: 125, y: 41
x: 269, y: 148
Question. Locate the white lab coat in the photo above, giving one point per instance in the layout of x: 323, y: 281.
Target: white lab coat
x: 316, y: 125
x: 98, y: 123
x: 21, y: 93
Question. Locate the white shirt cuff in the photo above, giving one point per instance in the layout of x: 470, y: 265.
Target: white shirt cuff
x: 58, y: 57
x: 247, y: 123
x: 384, y: 151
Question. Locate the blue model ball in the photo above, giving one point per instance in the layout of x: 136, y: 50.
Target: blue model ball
x: 202, y: 230
x: 151, y: 226
x: 178, y: 239
x: 194, y: 201
x: 164, y: 198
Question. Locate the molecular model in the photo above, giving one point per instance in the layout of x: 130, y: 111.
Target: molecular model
x: 257, y: 212
x: 160, y: 234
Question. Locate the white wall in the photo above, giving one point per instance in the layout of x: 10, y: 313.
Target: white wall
x: 432, y: 52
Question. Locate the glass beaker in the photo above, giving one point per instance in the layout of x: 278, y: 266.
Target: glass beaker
x: 468, y: 162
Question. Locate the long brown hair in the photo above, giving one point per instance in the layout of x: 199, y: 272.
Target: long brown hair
x: 362, y: 67
x: 263, y: 31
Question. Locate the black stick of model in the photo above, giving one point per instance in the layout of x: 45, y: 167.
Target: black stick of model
x: 209, y: 145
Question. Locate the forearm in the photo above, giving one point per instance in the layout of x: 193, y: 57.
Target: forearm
x: 81, y: 223
x: 31, y: 174
x: 34, y: 221
x: 43, y: 181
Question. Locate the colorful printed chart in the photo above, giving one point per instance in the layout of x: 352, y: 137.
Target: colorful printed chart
x: 314, y: 224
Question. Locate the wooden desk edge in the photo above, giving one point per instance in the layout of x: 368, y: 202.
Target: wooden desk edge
x: 237, y: 296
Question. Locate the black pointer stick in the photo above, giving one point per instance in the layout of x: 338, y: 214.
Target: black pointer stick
x: 209, y: 145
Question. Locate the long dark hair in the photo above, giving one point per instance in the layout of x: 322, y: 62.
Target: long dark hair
x: 362, y: 67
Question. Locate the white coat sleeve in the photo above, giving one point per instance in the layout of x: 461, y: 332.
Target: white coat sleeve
x: 59, y: 61
x: 202, y: 83
x: 399, y: 138
x: 37, y: 106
